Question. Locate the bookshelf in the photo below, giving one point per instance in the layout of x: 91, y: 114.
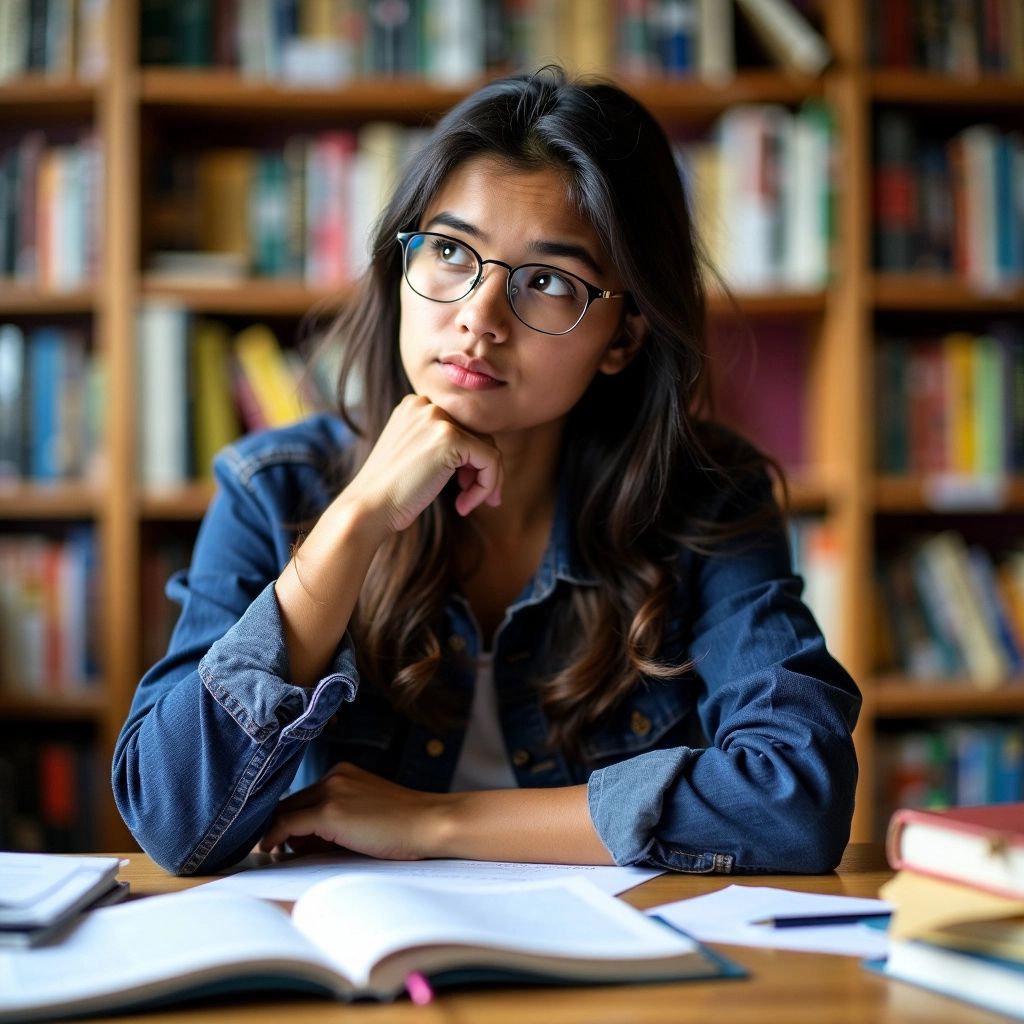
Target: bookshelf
x: 135, y: 109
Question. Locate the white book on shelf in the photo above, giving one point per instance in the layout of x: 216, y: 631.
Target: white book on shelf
x: 979, y: 149
x: 455, y: 41
x: 808, y: 199
x: 716, y: 49
x: 162, y: 407
x: 787, y: 35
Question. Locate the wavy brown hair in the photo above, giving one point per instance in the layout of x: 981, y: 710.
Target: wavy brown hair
x: 638, y: 462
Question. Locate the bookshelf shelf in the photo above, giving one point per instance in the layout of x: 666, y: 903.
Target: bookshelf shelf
x: 920, y: 495
x: 224, y: 93
x: 182, y: 503
x: 258, y: 298
x: 65, y: 707
x: 897, y: 697
x: 940, y: 293
x: 19, y: 299
x: 936, y: 90
x: 49, y: 501
x: 780, y: 304
x: 696, y: 98
x: 33, y: 96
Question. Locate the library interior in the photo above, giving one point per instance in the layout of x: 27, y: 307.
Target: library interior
x: 186, y: 193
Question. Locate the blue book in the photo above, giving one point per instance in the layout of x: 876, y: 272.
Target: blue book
x: 44, y: 363
x: 12, y: 407
x: 977, y: 978
x: 1009, y: 243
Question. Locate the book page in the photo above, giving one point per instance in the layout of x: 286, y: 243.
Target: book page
x: 358, y: 921
x: 135, y: 946
x: 289, y: 879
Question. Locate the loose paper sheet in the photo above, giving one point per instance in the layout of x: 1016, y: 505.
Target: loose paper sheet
x: 288, y: 880
x: 728, y: 915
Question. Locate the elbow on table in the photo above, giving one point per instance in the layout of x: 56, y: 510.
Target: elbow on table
x: 160, y: 824
x: 812, y: 831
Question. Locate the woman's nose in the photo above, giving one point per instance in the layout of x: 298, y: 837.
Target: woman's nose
x: 486, y: 310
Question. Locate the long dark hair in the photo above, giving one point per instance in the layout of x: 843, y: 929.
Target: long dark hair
x: 635, y: 451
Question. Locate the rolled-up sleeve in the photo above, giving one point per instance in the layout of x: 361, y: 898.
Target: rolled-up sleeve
x: 773, y: 790
x: 216, y: 731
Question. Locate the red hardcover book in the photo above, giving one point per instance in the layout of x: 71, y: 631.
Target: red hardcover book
x: 980, y: 846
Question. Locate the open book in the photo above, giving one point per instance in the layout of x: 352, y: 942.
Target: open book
x: 347, y: 937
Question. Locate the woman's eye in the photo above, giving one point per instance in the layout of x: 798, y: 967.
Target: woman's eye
x: 549, y: 283
x: 452, y: 254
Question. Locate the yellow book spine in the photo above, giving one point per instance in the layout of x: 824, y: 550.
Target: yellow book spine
x: 215, y: 419
x: 959, y: 353
x: 261, y: 360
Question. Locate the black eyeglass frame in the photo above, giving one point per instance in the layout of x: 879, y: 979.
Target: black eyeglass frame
x: 593, y: 292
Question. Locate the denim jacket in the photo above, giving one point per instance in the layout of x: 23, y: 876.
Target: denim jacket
x: 745, y: 764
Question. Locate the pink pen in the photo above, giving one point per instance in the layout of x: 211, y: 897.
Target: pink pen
x: 418, y: 988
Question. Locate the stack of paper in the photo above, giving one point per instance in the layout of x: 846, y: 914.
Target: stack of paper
x: 41, y: 892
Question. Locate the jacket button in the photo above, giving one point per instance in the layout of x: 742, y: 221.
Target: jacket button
x: 456, y: 643
x: 640, y: 723
x: 521, y: 758
x: 435, y: 747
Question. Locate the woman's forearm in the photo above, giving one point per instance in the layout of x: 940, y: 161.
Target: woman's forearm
x: 527, y: 825
x: 318, y: 589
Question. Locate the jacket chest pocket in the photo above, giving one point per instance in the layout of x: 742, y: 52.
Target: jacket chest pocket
x: 649, y: 719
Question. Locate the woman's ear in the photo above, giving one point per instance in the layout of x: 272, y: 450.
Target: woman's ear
x: 623, y: 350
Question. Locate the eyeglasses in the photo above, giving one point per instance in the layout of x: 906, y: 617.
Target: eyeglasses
x: 546, y: 299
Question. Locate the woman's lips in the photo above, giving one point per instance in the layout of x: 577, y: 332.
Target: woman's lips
x: 470, y: 379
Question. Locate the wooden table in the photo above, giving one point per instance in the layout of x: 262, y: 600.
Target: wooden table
x: 783, y: 987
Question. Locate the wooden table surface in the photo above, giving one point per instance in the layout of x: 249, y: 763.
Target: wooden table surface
x: 783, y: 987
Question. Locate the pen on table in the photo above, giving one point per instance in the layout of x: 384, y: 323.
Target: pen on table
x: 418, y: 988
x: 814, y: 920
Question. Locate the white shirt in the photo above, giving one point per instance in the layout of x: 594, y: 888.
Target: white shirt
x: 483, y: 761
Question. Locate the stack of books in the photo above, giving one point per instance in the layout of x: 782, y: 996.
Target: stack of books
x: 41, y: 894
x: 958, y: 927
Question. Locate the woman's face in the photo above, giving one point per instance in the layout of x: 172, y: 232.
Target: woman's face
x: 473, y: 357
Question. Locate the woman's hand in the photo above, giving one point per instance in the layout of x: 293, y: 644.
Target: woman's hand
x: 354, y: 809
x: 420, y: 449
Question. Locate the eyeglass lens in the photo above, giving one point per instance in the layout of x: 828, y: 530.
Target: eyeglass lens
x: 543, y: 297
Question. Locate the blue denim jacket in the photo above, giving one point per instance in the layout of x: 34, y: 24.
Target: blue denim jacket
x: 744, y: 765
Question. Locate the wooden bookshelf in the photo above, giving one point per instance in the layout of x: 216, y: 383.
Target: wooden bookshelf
x: 49, y: 501
x: 131, y: 104
x: 897, y: 697
x: 19, y: 299
x: 88, y: 706
x: 912, y: 293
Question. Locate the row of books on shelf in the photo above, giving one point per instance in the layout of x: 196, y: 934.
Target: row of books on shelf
x: 950, y: 609
x: 303, y: 211
x: 47, y: 613
x: 762, y: 192
x: 50, y: 210
x: 966, y: 38
x: 762, y: 188
x: 199, y: 388
x: 953, y: 404
x: 47, y: 792
x: 52, y: 393
x: 958, y: 762
x: 951, y: 204
x: 958, y: 897
x: 454, y: 41
x: 56, y: 38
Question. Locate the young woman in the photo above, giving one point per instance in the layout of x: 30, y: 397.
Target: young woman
x: 524, y: 602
